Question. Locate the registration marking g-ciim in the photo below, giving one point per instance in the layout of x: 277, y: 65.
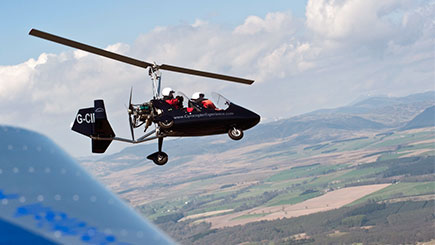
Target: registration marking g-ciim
x: 87, y: 118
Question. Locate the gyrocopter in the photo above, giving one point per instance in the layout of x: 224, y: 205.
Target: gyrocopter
x: 172, y: 116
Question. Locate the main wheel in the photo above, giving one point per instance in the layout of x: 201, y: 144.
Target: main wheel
x: 235, y: 133
x: 161, y: 159
x: 166, y: 124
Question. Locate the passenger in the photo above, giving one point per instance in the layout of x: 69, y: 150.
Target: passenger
x: 168, y: 97
x: 199, y: 99
x: 196, y: 98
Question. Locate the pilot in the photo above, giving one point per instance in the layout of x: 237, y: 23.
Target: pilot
x: 199, y: 99
x: 168, y: 97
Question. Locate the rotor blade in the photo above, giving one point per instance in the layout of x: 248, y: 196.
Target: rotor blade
x: 132, y: 61
x: 88, y: 48
x: 205, y: 74
x: 129, y: 115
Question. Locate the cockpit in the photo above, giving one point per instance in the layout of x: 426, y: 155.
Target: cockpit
x: 202, y: 102
x: 177, y: 104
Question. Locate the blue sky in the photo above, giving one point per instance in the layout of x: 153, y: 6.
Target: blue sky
x: 303, y: 55
x: 105, y: 22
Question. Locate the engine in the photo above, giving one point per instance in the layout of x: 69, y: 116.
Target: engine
x: 141, y: 114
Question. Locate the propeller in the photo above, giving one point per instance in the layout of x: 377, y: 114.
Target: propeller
x: 132, y: 61
x: 130, y: 112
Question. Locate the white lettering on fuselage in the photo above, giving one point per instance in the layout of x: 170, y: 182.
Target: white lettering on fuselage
x: 87, y: 118
x: 205, y: 115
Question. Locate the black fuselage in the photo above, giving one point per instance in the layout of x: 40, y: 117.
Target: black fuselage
x: 205, y: 121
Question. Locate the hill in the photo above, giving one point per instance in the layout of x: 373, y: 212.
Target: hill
x: 390, y: 111
x: 424, y: 119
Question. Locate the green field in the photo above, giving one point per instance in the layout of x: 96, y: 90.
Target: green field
x: 247, y: 216
x: 300, y: 172
x: 400, y: 190
x: 292, y: 198
x: 360, y: 173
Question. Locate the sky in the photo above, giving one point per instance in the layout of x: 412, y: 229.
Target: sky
x: 303, y: 56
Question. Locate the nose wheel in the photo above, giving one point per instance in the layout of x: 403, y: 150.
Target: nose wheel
x: 235, y: 133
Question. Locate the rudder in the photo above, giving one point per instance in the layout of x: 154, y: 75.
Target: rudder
x: 101, y: 128
x: 92, y: 122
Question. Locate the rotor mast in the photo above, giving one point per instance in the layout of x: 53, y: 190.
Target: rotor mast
x: 156, y: 80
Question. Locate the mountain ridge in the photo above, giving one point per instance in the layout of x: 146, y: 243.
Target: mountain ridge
x: 390, y: 111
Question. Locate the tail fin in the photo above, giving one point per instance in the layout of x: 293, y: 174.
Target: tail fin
x: 85, y: 118
x: 101, y: 128
x: 93, y: 122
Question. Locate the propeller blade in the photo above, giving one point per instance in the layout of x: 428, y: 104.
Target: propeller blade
x: 130, y: 107
x: 205, y: 74
x: 129, y: 101
x: 88, y: 48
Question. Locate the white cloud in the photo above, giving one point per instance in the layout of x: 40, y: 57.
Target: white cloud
x: 199, y: 23
x: 14, y: 79
x: 338, y: 19
x: 273, y: 23
x: 80, y: 54
x: 341, y: 50
x: 368, y: 23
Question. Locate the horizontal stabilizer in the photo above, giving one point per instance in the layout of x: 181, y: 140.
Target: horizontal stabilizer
x: 100, y: 146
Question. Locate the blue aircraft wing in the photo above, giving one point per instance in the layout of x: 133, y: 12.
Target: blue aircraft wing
x: 47, y: 198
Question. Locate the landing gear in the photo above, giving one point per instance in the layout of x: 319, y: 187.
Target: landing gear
x: 235, y: 133
x: 160, y: 158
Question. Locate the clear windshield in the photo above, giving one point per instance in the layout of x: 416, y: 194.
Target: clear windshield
x: 185, y: 99
x: 220, y: 101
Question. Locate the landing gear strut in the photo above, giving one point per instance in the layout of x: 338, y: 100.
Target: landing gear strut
x: 235, y: 133
x: 159, y: 158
